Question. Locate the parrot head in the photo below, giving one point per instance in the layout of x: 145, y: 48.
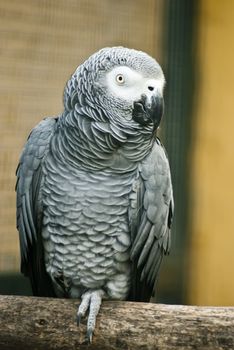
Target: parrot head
x: 124, y: 85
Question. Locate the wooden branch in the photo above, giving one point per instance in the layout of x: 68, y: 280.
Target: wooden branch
x: 43, y: 323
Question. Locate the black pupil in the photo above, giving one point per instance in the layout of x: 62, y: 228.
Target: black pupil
x: 120, y: 78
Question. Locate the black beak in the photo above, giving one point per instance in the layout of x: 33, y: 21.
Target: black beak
x: 148, y: 111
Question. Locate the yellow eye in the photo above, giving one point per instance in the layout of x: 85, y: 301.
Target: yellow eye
x: 120, y: 79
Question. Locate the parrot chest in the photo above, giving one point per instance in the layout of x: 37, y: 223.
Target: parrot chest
x: 85, y: 228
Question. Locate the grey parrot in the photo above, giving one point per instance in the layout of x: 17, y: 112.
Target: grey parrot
x: 94, y: 192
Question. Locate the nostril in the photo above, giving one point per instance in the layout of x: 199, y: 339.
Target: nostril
x: 151, y: 88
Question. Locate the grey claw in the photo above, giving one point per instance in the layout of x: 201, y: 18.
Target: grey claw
x: 89, y: 335
x: 79, y: 318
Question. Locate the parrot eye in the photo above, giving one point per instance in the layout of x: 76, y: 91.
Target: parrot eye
x: 120, y: 79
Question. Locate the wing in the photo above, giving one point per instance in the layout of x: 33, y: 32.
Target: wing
x: 29, y: 207
x: 150, y: 218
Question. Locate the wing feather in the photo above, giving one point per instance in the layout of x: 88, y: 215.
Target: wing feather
x: 29, y: 207
x: 150, y: 218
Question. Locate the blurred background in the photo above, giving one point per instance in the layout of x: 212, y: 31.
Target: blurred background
x: 43, y: 41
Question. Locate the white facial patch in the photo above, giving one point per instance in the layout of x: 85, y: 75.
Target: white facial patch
x: 129, y: 85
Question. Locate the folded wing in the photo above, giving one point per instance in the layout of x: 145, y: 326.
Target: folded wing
x: 29, y: 206
x: 150, y: 219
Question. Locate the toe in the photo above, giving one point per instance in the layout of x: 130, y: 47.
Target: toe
x: 91, y: 300
x: 83, y: 307
x: 89, y: 335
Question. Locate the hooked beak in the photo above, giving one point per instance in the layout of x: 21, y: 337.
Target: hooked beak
x: 148, y: 110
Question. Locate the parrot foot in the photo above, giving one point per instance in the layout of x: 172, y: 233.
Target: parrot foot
x: 91, y: 300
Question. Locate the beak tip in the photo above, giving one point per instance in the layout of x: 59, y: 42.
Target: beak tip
x: 148, y: 110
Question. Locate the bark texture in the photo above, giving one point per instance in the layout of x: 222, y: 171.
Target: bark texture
x: 43, y: 323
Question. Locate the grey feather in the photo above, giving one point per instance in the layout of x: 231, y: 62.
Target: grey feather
x: 28, y: 203
x: 152, y: 235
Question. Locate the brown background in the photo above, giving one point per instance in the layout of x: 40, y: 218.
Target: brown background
x: 42, y: 42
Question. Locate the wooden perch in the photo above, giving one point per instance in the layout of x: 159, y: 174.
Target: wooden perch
x: 43, y: 323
